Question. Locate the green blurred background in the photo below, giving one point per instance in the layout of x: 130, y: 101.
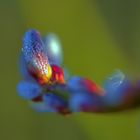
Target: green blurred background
x: 98, y: 36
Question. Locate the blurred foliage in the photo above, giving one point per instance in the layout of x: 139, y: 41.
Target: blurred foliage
x: 93, y: 34
x: 124, y: 22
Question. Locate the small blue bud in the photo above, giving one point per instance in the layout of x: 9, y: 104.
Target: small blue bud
x: 28, y: 90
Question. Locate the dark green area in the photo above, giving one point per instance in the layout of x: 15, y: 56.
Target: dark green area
x: 123, y: 18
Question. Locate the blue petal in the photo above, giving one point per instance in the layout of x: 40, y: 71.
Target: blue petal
x: 28, y: 90
x: 34, y: 54
x: 53, y: 49
x: 74, y: 84
x: 24, y: 70
x: 78, y: 101
x: 116, y: 87
x: 79, y: 84
x: 32, y: 45
x: 53, y: 101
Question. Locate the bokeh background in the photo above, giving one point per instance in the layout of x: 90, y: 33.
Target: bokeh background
x: 98, y: 36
